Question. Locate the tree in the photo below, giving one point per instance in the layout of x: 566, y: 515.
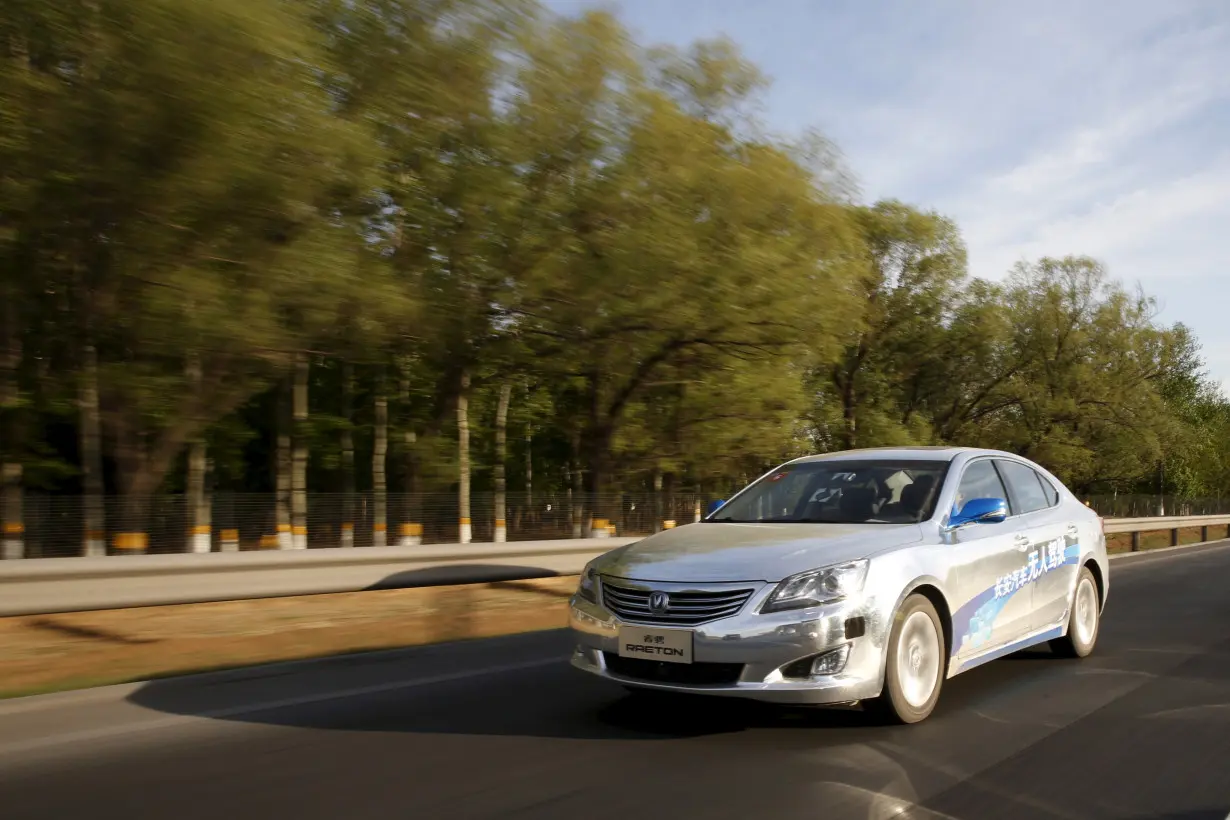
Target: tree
x: 914, y: 273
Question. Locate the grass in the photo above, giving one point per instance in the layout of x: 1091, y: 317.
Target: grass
x: 50, y: 653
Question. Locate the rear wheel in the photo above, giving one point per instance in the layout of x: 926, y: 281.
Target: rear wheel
x: 1084, y: 620
x: 914, y: 670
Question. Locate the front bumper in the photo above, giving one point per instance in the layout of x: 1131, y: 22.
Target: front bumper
x: 762, y: 645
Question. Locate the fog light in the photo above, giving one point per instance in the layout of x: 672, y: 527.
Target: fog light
x: 832, y: 662
x: 826, y: 663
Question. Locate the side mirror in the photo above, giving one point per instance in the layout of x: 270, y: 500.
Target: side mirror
x: 714, y: 507
x: 980, y: 511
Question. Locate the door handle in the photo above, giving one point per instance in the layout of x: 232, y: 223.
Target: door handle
x: 1021, y: 542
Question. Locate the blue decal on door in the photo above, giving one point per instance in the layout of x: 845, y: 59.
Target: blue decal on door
x: 973, y: 623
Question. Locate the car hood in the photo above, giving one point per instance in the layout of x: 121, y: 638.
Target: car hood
x: 714, y: 552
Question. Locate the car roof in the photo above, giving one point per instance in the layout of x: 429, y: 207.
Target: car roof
x: 917, y: 453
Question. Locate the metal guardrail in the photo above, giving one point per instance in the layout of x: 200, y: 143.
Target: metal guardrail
x: 50, y: 585
x: 1173, y: 523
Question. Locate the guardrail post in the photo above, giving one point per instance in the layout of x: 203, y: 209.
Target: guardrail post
x: 1204, y: 533
x: 1135, y: 541
x: 1174, y: 537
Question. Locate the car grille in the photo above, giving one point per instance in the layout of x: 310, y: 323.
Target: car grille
x: 690, y: 608
x: 685, y: 674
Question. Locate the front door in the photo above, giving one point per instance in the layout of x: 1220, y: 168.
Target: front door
x: 993, y: 600
x: 1054, y: 549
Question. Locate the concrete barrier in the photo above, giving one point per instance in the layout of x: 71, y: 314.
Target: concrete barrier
x: 47, y: 585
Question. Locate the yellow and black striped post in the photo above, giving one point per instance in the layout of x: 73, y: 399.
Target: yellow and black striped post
x: 202, y: 538
x: 130, y: 543
x: 14, y: 540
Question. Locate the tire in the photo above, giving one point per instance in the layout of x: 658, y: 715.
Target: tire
x: 1084, y: 619
x: 915, y: 668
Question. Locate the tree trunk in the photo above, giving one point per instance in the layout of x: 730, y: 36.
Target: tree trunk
x: 668, y: 482
x: 463, y: 459
x: 132, y: 460
x: 198, y: 498
x: 411, y: 526
x: 380, y: 489
x: 298, y: 475
x: 11, y: 477
x: 200, y: 529
x: 658, y: 518
x: 597, y: 460
x: 348, y: 506
x: 529, y: 458
x: 91, y: 455
x: 282, y: 466
x: 576, y: 488
x: 501, y: 459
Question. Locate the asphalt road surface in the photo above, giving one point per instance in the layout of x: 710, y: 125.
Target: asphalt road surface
x: 505, y: 729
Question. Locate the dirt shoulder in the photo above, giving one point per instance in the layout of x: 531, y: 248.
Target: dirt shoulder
x: 44, y: 653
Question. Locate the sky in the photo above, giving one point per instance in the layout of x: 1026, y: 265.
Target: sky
x: 1043, y: 128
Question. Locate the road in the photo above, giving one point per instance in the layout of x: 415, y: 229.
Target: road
x: 505, y: 729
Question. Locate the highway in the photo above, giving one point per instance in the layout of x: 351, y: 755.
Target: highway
x: 505, y: 729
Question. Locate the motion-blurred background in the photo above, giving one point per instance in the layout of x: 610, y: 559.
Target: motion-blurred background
x: 278, y: 274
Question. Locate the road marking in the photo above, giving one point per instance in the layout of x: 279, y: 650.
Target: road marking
x: 266, y: 706
x: 1165, y: 551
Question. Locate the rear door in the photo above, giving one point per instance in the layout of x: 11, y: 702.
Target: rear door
x: 992, y: 609
x: 1052, y: 536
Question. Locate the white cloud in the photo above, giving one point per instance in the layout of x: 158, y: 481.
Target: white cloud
x: 1045, y: 128
x: 1148, y: 233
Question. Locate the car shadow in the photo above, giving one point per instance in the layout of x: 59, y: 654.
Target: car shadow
x: 454, y: 574
x: 384, y: 691
x: 552, y: 700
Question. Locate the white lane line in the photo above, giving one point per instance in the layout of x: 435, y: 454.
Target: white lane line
x: 266, y: 706
x: 1210, y: 546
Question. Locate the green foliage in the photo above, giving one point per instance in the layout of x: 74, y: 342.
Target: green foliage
x: 201, y: 189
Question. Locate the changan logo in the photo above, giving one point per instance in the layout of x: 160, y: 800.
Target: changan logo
x: 659, y: 603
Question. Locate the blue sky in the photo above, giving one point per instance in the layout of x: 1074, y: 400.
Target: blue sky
x: 1042, y: 128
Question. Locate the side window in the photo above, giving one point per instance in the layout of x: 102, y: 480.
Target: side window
x: 1052, y: 495
x: 1026, y: 487
x: 979, y: 481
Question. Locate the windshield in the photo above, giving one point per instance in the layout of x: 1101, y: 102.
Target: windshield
x: 841, y: 492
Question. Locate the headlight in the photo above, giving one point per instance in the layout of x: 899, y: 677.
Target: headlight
x: 817, y: 586
x: 587, y: 589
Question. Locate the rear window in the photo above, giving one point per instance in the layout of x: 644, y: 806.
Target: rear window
x: 1026, y: 487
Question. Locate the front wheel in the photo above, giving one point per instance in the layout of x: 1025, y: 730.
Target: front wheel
x: 1084, y: 620
x: 914, y: 669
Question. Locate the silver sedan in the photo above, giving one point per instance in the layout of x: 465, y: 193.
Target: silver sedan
x: 868, y: 575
